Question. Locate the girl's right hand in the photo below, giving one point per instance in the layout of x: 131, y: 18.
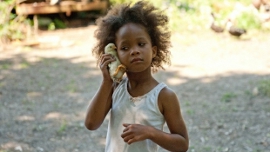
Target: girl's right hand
x: 105, y: 60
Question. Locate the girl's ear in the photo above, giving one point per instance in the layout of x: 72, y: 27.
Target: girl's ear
x: 154, y: 50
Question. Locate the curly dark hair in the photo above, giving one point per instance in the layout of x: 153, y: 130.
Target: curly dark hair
x: 144, y: 13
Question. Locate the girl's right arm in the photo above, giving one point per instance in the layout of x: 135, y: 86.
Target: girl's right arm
x: 99, y: 106
x: 102, y: 101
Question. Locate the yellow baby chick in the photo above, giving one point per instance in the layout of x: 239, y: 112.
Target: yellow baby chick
x: 116, y: 69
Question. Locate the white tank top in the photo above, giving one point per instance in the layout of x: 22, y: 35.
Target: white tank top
x: 142, y: 110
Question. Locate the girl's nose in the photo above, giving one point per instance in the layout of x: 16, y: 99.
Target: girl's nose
x: 135, y: 51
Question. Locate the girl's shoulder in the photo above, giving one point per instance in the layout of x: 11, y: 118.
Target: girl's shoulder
x: 166, y: 92
x: 167, y: 98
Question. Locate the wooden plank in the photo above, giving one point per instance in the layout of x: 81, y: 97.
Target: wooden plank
x: 43, y: 8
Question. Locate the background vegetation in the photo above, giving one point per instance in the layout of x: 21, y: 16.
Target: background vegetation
x: 185, y: 15
x: 12, y: 26
x: 195, y: 14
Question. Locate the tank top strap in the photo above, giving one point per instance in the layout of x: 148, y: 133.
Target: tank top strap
x: 158, y: 88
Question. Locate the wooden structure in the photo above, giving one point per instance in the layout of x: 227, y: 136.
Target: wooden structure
x: 65, y: 6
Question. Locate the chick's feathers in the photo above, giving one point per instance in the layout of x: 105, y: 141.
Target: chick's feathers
x: 116, y: 69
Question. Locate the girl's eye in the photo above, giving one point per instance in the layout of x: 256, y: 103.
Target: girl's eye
x: 124, y: 48
x: 141, y: 44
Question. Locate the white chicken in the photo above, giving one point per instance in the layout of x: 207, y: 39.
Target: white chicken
x: 116, y: 69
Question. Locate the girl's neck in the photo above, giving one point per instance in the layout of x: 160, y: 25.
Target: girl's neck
x: 140, y: 77
x: 140, y: 83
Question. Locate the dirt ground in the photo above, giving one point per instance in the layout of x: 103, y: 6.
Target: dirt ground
x: 44, y: 92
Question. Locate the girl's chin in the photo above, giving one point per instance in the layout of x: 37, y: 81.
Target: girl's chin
x: 138, y: 70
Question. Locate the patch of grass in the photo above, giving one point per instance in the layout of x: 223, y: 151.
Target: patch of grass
x: 192, y: 148
x: 26, y: 102
x: 62, y: 128
x: 24, y: 64
x: 248, y: 93
x: 56, y: 105
x: 190, y: 112
x: 5, y: 66
x: 235, y: 109
x: 50, y: 62
x: 28, y: 105
x: 1, y: 84
x: 227, y: 97
x: 186, y: 103
x: 264, y: 87
x: 207, y: 148
x: 71, y: 87
x: 267, y: 109
x: 39, y: 128
x: 204, y: 105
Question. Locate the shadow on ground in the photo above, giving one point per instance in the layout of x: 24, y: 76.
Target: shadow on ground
x: 43, y: 105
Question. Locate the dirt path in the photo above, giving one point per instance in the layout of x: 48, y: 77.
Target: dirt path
x: 44, y: 92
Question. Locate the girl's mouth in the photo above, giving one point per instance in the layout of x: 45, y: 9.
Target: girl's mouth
x: 136, y: 60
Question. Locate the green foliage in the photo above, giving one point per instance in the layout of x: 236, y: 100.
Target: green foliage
x: 157, y: 3
x: 12, y: 26
x: 59, y: 24
x: 118, y: 1
x: 184, y: 15
x: 183, y: 5
x: 51, y: 24
x: 190, y: 15
x: 248, y: 20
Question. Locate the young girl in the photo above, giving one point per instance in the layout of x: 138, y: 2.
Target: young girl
x: 139, y: 105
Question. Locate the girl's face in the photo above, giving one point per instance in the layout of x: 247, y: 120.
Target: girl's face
x: 134, y: 47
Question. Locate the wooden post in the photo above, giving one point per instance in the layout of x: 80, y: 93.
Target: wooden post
x: 35, y: 24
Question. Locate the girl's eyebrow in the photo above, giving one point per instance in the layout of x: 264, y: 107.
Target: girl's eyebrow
x: 141, y: 38
x: 124, y: 41
x: 137, y: 38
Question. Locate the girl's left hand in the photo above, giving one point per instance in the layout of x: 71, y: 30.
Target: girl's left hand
x: 135, y: 132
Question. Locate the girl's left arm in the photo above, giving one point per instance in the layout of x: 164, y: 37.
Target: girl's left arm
x: 176, y: 140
